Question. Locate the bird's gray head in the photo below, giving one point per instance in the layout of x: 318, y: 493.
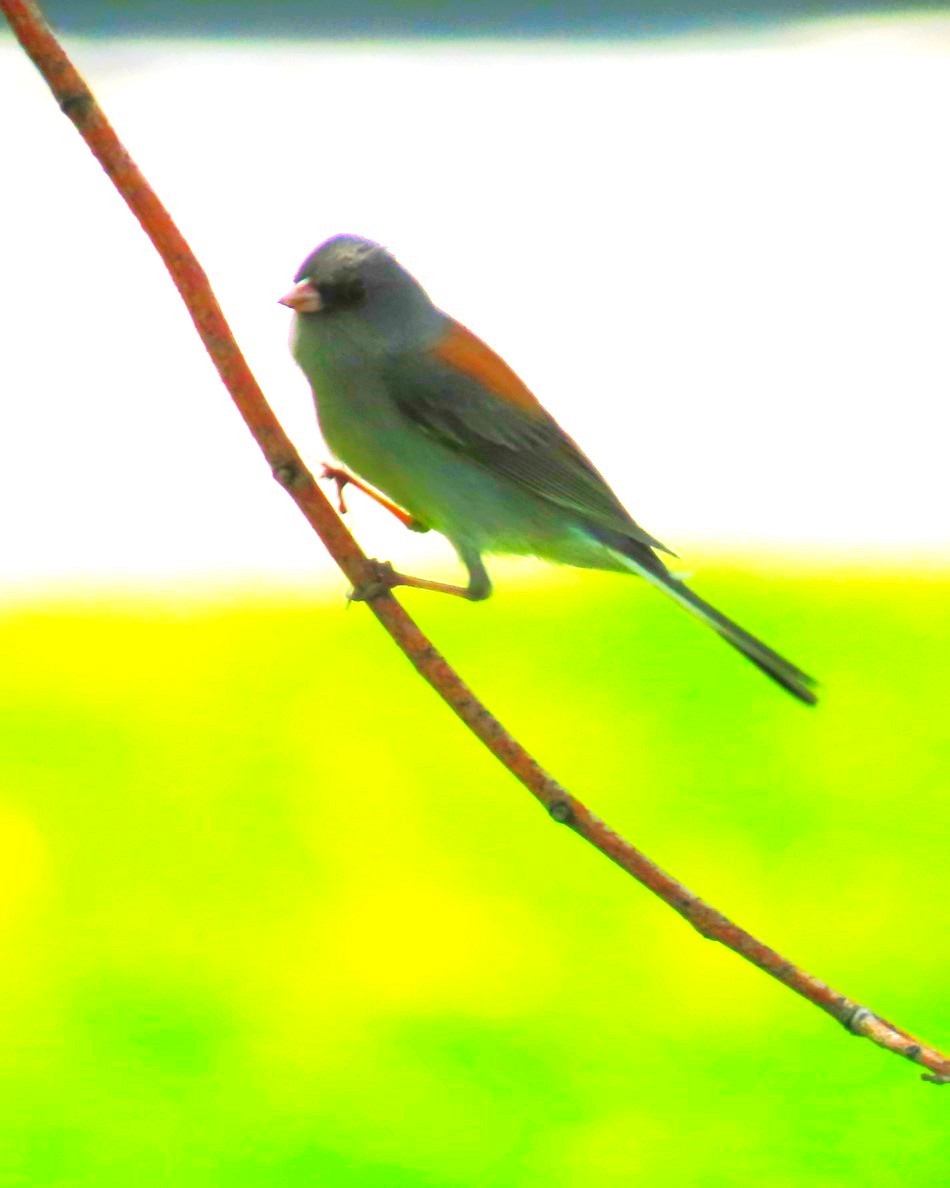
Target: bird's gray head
x: 349, y: 277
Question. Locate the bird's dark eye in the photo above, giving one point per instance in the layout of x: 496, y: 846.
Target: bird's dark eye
x: 342, y: 293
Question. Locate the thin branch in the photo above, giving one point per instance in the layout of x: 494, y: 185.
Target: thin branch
x: 78, y: 104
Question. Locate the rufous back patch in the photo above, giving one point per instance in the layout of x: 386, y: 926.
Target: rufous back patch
x: 466, y: 352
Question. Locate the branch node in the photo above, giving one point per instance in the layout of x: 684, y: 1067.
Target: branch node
x: 703, y: 918
x: 936, y: 1078
x: 286, y: 474
x: 560, y: 811
x: 856, y: 1021
x: 77, y: 104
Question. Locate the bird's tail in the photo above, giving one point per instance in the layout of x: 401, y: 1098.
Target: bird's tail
x: 648, y: 565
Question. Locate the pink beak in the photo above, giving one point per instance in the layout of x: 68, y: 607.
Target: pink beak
x: 303, y: 298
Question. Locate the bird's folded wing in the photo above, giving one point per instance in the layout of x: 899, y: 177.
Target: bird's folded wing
x: 466, y: 397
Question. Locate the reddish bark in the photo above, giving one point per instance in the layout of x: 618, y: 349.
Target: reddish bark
x: 78, y: 104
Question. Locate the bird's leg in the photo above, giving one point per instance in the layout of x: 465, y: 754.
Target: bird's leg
x: 342, y: 478
x: 385, y: 578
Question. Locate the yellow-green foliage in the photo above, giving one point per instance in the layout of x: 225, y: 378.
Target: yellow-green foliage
x: 269, y: 916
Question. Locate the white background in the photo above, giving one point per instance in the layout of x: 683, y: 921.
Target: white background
x: 724, y: 265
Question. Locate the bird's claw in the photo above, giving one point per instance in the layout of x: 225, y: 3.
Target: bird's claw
x: 341, y: 478
x: 383, y: 579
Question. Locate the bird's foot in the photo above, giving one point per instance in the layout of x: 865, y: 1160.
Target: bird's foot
x: 341, y: 478
x: 384, y: 578
x: 381, y: 580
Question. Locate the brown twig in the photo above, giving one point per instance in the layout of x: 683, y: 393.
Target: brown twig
x: 78, y: 104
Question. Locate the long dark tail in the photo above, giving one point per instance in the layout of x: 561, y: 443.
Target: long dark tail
x: 798, y: 683
x: 646, y: 563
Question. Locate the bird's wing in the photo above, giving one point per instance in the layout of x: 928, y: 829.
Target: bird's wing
x: 467, y: 398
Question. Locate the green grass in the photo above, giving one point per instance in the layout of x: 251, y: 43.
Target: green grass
x: 269, y: 916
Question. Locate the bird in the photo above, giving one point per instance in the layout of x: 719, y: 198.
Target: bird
x: 445, y: 434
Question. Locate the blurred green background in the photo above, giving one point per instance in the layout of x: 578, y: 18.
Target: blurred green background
x: 270, y: 916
